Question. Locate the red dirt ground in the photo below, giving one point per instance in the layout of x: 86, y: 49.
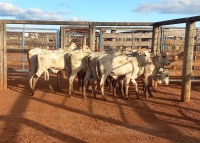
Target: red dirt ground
x: 48, y: 117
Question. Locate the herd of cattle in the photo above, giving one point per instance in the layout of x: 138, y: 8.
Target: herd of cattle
x: 98, y: 68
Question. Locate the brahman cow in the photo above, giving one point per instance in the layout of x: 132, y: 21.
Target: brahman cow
x: 115, y: 66
x: 76, y: 61
x: 150, y: 71
x: 44, y: 60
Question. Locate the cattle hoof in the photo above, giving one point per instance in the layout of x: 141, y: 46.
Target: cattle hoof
x: 104, y: 99
x: 32, y: 93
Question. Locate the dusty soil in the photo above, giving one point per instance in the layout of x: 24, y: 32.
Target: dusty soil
x: 47, y: 117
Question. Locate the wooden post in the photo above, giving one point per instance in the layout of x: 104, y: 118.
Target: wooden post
x: 132, y: 39
x: 100, y: 39
x: 62, y: 37
x: 156, y: 36
x: 3, y: 57
x: 92, y: 37
x: 187, y: 61
x: 97, y: 44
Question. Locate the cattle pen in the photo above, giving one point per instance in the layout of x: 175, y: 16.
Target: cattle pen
x: 155, y: 43
x: 166, y: 117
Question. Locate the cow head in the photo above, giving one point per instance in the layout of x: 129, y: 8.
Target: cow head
x: 162, y: 76
x: 145, y: 55
x: 164, y: 58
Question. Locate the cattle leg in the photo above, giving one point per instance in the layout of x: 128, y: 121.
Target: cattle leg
x: 59, y: 75
x: 146, y: 91
x: 81, y: 76
x: 46, y: 77
x: 126, y: 89
x: 80, y: 82
x: 136, y: 87
x: 84, y: 88
x: 31, y: 82
x: 30, y: 77
x: 146, y: 86
x: 35, y: 78
x: 114, y: 87
x: 122, y: 88
x: 154, y: 85
x: 124, y: 81
x: 110, y: 82
x: 150, y: 85
x: 149, y: 91
x: 103, y: 79
x: 71, y: 79
x: 94, y: 87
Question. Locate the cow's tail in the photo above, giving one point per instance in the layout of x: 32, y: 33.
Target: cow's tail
x: 69, y: 62
x: 28, y: 61
x: 97, y: 67
x: 36, y: 59
x: 88, y: 63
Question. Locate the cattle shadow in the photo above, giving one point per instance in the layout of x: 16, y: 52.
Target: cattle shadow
x: 140, y: 112
x: 13, y: 120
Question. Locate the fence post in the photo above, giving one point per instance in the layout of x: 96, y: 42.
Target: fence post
x: 187, y: 62
x: 3, y: 57
x: 57, y: 39
x: 92, y: 37
x: 100, y: 40
x: 156, y: 36
x: 62, y: 37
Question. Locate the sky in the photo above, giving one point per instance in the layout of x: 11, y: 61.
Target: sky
x: 99, y: 10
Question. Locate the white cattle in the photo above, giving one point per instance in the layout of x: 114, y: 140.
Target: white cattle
x: 162, y: 77
x: 49, y: 60
x: 33, y: 64
x: 116, y: 66
x: 76, y: 61
x: 91, y: 65
x: 150, y: 71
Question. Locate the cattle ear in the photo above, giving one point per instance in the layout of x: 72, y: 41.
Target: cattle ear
x: 89, y: 57
x: 165, y: 70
